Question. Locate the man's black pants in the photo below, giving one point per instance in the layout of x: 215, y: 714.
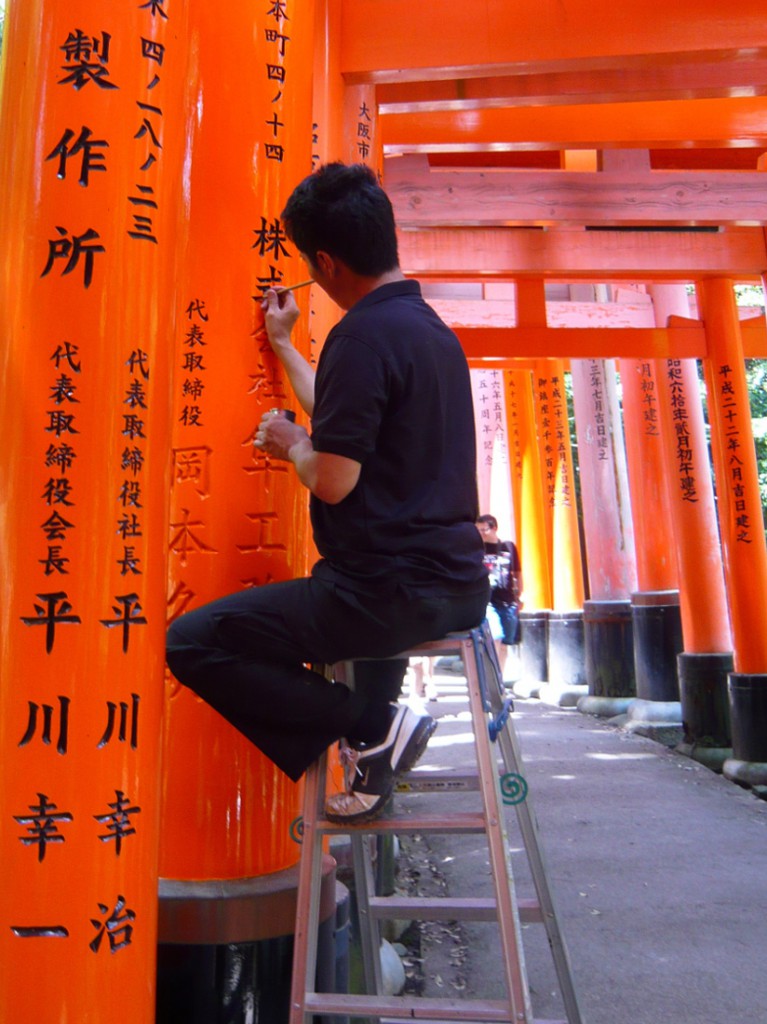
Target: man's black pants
x: 246, y: 656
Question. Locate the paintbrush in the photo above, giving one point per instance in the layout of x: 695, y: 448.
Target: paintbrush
x: 292, y: 287
x: 280, y: 291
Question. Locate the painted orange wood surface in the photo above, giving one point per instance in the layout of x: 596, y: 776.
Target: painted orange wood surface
x: 91, y: 154
x: 379, y: 41
x: 238, y: 519
x: 654, y: 539
x: 636, y: 79
x: 595, y: 125
x: 739, y: 503
x: 531, y: 514
x: 607, y: 520
x: 690, y: 490
x: 558, y: 485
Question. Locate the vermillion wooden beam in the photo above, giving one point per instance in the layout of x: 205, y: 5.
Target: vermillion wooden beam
x: 575, y: 254
x: 703, y: 122
x: 452, y: 198
x: 389, y: 40
x: 504, y: 345
x: 682, y: 79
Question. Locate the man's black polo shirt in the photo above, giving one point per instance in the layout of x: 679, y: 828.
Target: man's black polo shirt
x: 392, y: 392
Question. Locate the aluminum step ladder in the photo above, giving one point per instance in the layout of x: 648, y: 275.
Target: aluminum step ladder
x: 500, y: 780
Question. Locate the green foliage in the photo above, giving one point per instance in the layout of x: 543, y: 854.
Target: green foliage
x: 756, y: 375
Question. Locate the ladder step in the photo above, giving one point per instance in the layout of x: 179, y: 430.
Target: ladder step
x: 443, y: 908
x: 455, y: 823
x: 437, y: 782
x: 405, y: 1008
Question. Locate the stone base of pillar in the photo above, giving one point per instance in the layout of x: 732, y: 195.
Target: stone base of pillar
x: 533, y: 648
x: 563, y: 695
x: 226, y: 946
x: 604, y: 707
x: 712, y: 758
x: 526, y: 688
x: 658, y: 720
x: 705, y: 708
x: 565, y: 649
x: 748, y: 715
x: 609, y: 649
x: 751, y: 774
x: 657, y: 625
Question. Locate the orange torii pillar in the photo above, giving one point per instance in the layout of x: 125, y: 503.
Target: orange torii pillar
x: 528, y: 501
x: 706, y: 660
x: 565, y: 634
x: 741, y: 527
x: 91, y: 153
x: 657, y: 623
x: 238, y: 519
x: 493, y: 480
x: 530, y: 295
x: 609, y: 539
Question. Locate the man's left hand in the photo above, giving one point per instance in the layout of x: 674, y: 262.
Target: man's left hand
x: 276, y: 434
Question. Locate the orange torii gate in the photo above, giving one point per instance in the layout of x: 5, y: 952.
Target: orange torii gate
x: 106, y: 180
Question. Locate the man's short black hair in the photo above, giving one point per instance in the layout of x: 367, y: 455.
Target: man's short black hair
x: 342, y: 210
x: 491, y: 521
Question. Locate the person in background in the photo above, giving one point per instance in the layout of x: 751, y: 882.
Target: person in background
x: 505, y: 572
x: 389, y: 466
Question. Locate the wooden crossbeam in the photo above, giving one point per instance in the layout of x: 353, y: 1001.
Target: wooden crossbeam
x: 390, y: 41
x: 718, y: 121
x: 450, y: 198
x: 502, y: 346
x: 635, y: 80
x: 494, y: 253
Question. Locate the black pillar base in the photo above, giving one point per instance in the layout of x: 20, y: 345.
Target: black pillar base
x: 534, y: 631
x: 225, y: 948
x: 657, y: 625
x: 705, y: 707
x: 609, y: 647
x: 566, y: 649
x: 748, y: 715
x: 226, y: 984
x: 566, y: 660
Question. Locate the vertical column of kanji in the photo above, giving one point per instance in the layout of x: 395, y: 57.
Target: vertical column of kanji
x: 493, y: 476
x: 609, y: 537
x: 328, y: 139
x: 741, y: 527
x: 527, y: 494
x: 704, y: 664
x: 655, y: 606
x: 530, y: 297
x: 90, y: 101
x: 566, y: 557
x: 363, y: 143
x: 565, y: 639
x: 238, y: 518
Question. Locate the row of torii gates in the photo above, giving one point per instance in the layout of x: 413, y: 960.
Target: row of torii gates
x: 147, y: 150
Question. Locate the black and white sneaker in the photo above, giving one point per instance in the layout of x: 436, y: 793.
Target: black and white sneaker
x: 371, y: 771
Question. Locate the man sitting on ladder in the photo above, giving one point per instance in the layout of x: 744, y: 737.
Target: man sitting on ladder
x: 390, y: 464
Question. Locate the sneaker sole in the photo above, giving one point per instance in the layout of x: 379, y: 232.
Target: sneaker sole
x: 415, y: 747
x: 362, y: 817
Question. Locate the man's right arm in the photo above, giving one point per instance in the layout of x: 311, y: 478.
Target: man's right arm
x: 279, y: 321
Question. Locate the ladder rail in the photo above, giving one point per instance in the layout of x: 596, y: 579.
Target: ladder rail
x: 528, y: 826
x: 306, y: 936
x: 498, y: 845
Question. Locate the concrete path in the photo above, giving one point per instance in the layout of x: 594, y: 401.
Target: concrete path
x: 658, y: 868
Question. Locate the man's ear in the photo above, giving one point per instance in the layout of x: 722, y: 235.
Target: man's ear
x: 326, y: 263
